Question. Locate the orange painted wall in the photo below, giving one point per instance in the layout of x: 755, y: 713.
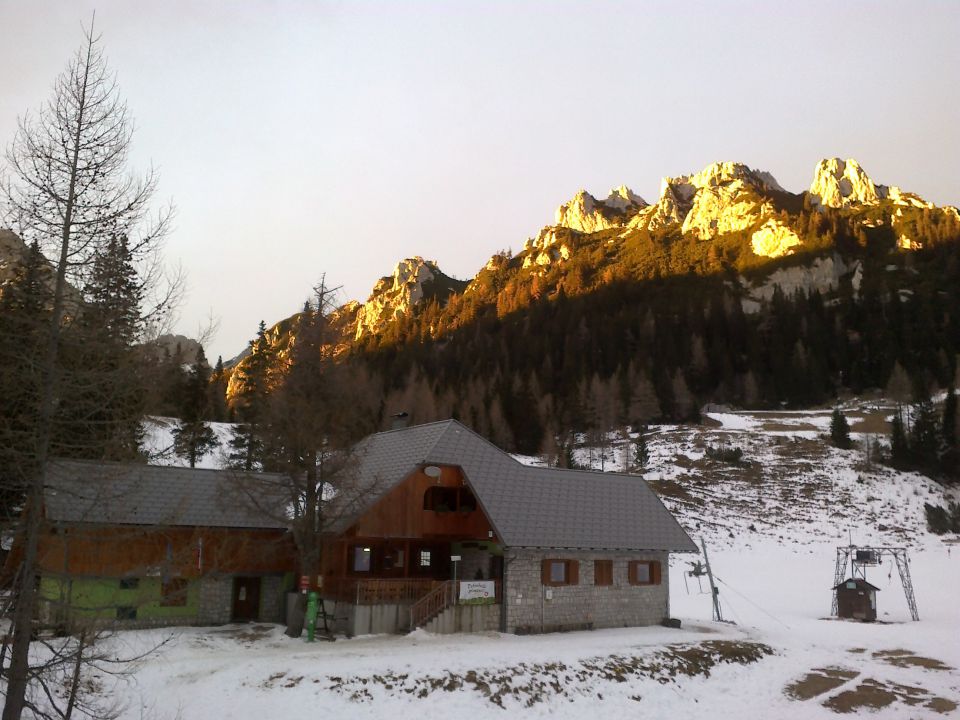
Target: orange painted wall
x: 117, y: 551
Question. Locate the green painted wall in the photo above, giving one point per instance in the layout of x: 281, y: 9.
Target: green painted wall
x: 100, y: 597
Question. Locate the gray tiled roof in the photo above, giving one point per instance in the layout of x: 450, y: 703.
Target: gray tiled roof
x: 528, y: 506
x: 127, y: 494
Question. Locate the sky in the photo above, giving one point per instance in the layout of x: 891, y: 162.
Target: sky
x: 298, y: 139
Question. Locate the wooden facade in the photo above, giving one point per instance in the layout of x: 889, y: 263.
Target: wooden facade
x: 402, y: 543
x: 857, y: 600
x: 84, y: 550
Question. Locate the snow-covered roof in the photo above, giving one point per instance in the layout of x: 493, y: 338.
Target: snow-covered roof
x: 527, y: 506
x: 79, y: 491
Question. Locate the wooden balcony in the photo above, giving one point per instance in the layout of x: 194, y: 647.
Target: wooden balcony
x: 377, y: 591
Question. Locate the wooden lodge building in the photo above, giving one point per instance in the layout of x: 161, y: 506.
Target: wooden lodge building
x: 148, y: 546
x: 436, y: 528
x: 453, y: 534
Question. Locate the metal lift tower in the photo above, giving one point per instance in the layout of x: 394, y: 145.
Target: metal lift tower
x: 860, y: 557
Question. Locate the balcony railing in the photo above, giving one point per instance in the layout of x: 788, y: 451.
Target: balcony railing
x: 377, y: 591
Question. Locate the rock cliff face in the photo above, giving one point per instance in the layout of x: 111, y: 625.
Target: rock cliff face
x: 774, y: 239
x: 551, y: 245
x: 723, y: 197
x: 12, y: 252
x: 822, y: 275
x: 395, y: 295
x: 585, y: 213
x: 838, y: 183
x: 732, y: 211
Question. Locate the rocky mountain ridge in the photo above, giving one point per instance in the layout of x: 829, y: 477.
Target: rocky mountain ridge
x: 724, y: 199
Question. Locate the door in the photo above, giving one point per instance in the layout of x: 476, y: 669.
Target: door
x: 246, y: 599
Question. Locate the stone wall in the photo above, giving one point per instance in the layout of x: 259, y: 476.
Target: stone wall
x: 533, y: 607
x: 216, y: 600
x: 271, y: 598
x: 466, y: 618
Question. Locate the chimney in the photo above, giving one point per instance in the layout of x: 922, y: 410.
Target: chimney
x: 400, y: 420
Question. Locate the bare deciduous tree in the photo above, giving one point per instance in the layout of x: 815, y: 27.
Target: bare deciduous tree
x: 66, y: 189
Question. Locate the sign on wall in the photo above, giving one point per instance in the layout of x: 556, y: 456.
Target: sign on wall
x: 478, y: 592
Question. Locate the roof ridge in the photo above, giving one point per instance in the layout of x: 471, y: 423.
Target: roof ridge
x: 130, y: 465
x: 409, y: 427
x: 480, y: 437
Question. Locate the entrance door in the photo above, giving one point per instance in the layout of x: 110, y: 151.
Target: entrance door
x: 246, y: 598
x: 496, y: 567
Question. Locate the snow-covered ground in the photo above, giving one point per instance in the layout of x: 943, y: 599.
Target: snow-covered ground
x: 771, y: 526
x: 158, y: 443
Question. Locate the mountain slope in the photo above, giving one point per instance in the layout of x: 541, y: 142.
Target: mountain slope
x: 728, y: 288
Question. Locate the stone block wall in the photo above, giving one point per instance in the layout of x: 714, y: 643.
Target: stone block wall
x: 216, y: 600
x: 534, y: 607
x: 271, y: 597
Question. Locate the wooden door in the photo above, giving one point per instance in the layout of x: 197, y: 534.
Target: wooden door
x: 246, y: 599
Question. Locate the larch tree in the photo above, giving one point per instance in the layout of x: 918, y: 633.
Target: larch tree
x: 66, y: 190
x: 316, y: 409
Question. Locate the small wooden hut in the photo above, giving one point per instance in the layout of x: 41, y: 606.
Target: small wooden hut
x: 856, y: 599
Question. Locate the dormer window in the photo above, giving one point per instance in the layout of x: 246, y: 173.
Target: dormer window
x: 449, y: 499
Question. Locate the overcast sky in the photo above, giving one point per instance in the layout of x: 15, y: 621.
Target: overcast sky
x: 297, y: 139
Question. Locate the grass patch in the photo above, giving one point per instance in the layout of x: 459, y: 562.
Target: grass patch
x: 528, y: 684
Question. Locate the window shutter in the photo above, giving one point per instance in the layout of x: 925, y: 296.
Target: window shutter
x: 655, y: 572
x: 544, y: 572
x: 573, y: 572
x: 632, y: 572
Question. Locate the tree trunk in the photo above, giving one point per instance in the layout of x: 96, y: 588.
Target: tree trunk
x: 18, y: 674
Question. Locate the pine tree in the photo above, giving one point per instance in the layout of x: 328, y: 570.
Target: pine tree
x: 924, y: 438
x: 217, y: 391
x: 25, y: 304
x: 948, y: 423
x: 100, y: 409
x: 641, y: 453
x: 250, y: 404
x: 193, y: 438
x: 899, y: 448
x: 839, y: 429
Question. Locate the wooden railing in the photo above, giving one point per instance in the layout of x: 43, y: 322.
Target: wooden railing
x: 432, y: 604
x: 377, y: 591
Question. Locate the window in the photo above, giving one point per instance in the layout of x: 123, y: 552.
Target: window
x: 425, y: 558
x: 448, y: 499
x: 393, y: 559
x: 125, y: 612
x: 440, y: 499
x: 603, y: 572
x: 362, y: 559
x: 173, y: 592
x: 467, y: 502
x: 129, y: 583
x: 559, y: 572
x: 643, y: 572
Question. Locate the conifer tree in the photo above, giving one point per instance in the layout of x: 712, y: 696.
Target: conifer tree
x: 948, y: 423
x: 924, y: 437
x: 193, y: 438
x: 25, y: 305
x: 839, y: 430
x: 100, y: 409
x: 641, y: 453
x: 247, y: 448
x: 217, y: 391
x: 899, y: 449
